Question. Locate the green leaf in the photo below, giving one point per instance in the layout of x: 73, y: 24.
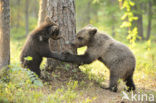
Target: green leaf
x: 125, y: 24
x: 29, y: 58
x: 120, y: 0
x: 131, y: 3
x: 95, y: 1
x: 124, y: 16
x: 38, y: 83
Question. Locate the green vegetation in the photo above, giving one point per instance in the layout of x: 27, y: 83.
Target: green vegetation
x: 16, y: 86
x: 20, y: 89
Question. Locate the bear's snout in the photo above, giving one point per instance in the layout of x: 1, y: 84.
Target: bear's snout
x: 73, y: 45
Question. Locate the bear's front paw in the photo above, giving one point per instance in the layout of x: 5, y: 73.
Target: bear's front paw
x: 65, y: 54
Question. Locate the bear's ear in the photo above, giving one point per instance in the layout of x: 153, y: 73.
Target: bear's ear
x: 90, y: 25
x: 93, y: 31
x: 49, y: 21
x: 53, y: 29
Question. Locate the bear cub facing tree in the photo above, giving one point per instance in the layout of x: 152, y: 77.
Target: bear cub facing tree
x: 37, y: 45
x: 117, y: 57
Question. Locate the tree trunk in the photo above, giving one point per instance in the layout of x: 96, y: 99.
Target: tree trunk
x: 149, y: 19
x: 138, y: 23
x: 140, y: 26
x: 18, y: 14
x: 35, y: 9
x: 113, y: 30
x: 27, y: 16
x: 63, y: 13
x: 87, y: 21
x: 113, y: 19
x: 42, y: 11
x: 4, y: 33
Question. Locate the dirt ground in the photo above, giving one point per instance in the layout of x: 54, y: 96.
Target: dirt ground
x: 98, y: 95
x: 93, y: 91
x: 106, y: 96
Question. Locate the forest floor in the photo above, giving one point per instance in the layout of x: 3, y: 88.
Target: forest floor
x: 63, y: 89
x: 95, y: 94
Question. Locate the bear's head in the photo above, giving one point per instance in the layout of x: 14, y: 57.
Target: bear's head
x: 48, y: 29
x: 53, y: 29
x: 84, y: 36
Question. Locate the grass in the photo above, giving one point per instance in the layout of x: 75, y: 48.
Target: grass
x: 20, y: 89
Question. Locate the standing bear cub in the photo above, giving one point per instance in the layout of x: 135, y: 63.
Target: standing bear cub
x: 37, y: 45
x: 117, y: 57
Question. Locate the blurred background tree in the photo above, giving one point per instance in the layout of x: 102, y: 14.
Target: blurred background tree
x: 42, y: 11
x: 4, y: 33
x: 24, y: 16
x: 105, y: 14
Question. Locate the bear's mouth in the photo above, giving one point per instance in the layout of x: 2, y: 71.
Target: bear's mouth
x: 80, y: 46
x: 58, y: 37
x: 77, y: 46
x: 55, y: 35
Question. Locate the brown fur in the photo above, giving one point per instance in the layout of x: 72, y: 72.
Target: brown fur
x: 37, y: 46
x: 116, y: 56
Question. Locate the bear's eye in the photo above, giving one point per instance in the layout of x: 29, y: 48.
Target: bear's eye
x: 80, y: 38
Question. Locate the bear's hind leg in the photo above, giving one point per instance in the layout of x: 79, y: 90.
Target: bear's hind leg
x: 113, y: 82
x: 129, y: 83
x: 36, y: 70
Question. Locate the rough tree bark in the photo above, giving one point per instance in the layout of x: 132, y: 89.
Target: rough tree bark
x: 4, y: 33
x: 149, y: 19
x: 42, y: 11
x: 63, y: 13
x: 27, y: 16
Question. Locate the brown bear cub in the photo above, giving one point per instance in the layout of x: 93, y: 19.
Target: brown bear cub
x: 37, y: 46
x: 117, y: 57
